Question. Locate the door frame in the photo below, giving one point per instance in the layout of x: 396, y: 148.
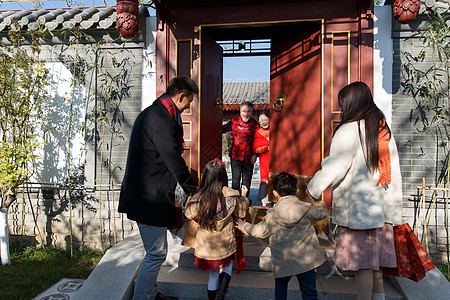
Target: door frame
x: 284, y: 22
x: 189, y: 112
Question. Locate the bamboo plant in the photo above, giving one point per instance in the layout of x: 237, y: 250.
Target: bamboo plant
x: 23, y: 81
x: 430, y: 89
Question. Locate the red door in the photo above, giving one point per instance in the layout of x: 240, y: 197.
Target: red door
x: 295, y: 130
x: 211, y: 77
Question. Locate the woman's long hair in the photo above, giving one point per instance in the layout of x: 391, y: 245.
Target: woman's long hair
x: 214, y: 178
x: 357, y: 104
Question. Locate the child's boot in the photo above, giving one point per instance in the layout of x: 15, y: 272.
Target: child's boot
x: 224, y: 281
x: 212, y: 295
x: 378, y: 296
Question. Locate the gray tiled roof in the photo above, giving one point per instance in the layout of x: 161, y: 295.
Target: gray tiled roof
x: 87, y: 18
x: 239, y: 91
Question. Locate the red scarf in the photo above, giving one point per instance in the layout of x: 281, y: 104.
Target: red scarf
x: 174, y: 113
x: 384, y: 156
x: 171, y: 108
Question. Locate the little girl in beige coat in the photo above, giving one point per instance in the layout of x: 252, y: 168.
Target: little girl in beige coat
x: 293, y: 241
x: 214, y: 208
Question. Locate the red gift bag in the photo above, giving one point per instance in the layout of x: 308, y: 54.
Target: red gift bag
x: 240, y: 258
x: 412, y: 260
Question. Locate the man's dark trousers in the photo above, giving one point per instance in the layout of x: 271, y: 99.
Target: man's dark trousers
x: 241, y: 170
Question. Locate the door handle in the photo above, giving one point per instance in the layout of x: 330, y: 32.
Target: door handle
x: 219, y: 105
x: 279, y: 102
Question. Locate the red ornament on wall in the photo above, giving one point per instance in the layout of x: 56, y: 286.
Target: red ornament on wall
x: 405, y: 11
x: 127, y: 20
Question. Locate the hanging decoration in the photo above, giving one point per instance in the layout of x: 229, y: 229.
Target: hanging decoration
x: 405, y: 11
x: 127, y: 21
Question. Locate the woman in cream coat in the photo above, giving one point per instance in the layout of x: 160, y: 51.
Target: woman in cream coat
x: 363, y: 171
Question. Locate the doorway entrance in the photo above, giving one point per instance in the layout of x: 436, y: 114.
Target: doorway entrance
x: 317, y: 48
x: 246, y: 71
x: 295, y: 75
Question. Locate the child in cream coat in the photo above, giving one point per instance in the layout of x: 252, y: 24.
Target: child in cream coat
x: 293, y: 241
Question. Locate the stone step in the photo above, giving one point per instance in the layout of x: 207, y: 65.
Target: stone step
x: 113, y: 278
x: 191, y: 284
x: 257, y: 259
x: 257, y: 256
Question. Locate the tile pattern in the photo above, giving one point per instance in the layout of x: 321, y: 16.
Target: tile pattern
x: 239, y: 91
x: 65, y: 289
x: 86, y: 18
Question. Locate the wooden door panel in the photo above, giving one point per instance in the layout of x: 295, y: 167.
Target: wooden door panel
x: 211, y: 82
x: 295, y: 140
x: 184, y: 60
x: 347, y: 57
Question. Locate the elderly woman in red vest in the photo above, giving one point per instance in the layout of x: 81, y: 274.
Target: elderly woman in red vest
x: 261, y: 147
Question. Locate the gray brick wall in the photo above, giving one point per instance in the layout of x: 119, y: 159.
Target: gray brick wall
x: 421, y: 154
x: 43, y: 215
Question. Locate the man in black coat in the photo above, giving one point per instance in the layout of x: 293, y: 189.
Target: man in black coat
x: 154, y: 166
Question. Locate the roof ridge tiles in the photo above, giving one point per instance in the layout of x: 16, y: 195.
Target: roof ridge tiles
x: 54, y: 19
x: 86, y: 24
x: 33, y: 26
x: 17, y: 15
x: 68, y: 24
x: 102, y: 14
x: 50, y: 16
x: 85, y: 14
x: 67, y: 15
x: 106, y: 23
x: 32, y: 17
x: 74, y: 15
x: 52, y: 25
x: 234, y: 92
x: 6, y: 14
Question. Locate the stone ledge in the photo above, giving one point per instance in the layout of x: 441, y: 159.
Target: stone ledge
x: 433, y: 286
x: 113, y: 277
x: 66, y: 288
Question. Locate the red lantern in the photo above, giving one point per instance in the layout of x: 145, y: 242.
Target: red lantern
x: 127, y: 21
x: 405, y: 11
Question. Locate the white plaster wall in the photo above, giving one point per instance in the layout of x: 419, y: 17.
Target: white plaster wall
x: 383, y: 60
x: 149, y: 64
x: 52, y: 165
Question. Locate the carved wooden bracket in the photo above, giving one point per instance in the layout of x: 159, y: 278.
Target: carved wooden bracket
x: 405, y: 11
x: 127, y: 21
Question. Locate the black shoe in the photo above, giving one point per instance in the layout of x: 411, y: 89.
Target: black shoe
x: 212, y: 295
x: 224, y: 281
x: 160, y: 296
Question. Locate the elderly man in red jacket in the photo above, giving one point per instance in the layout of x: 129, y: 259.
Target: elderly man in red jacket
x: 154, y: 166
x: 242, y: 157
